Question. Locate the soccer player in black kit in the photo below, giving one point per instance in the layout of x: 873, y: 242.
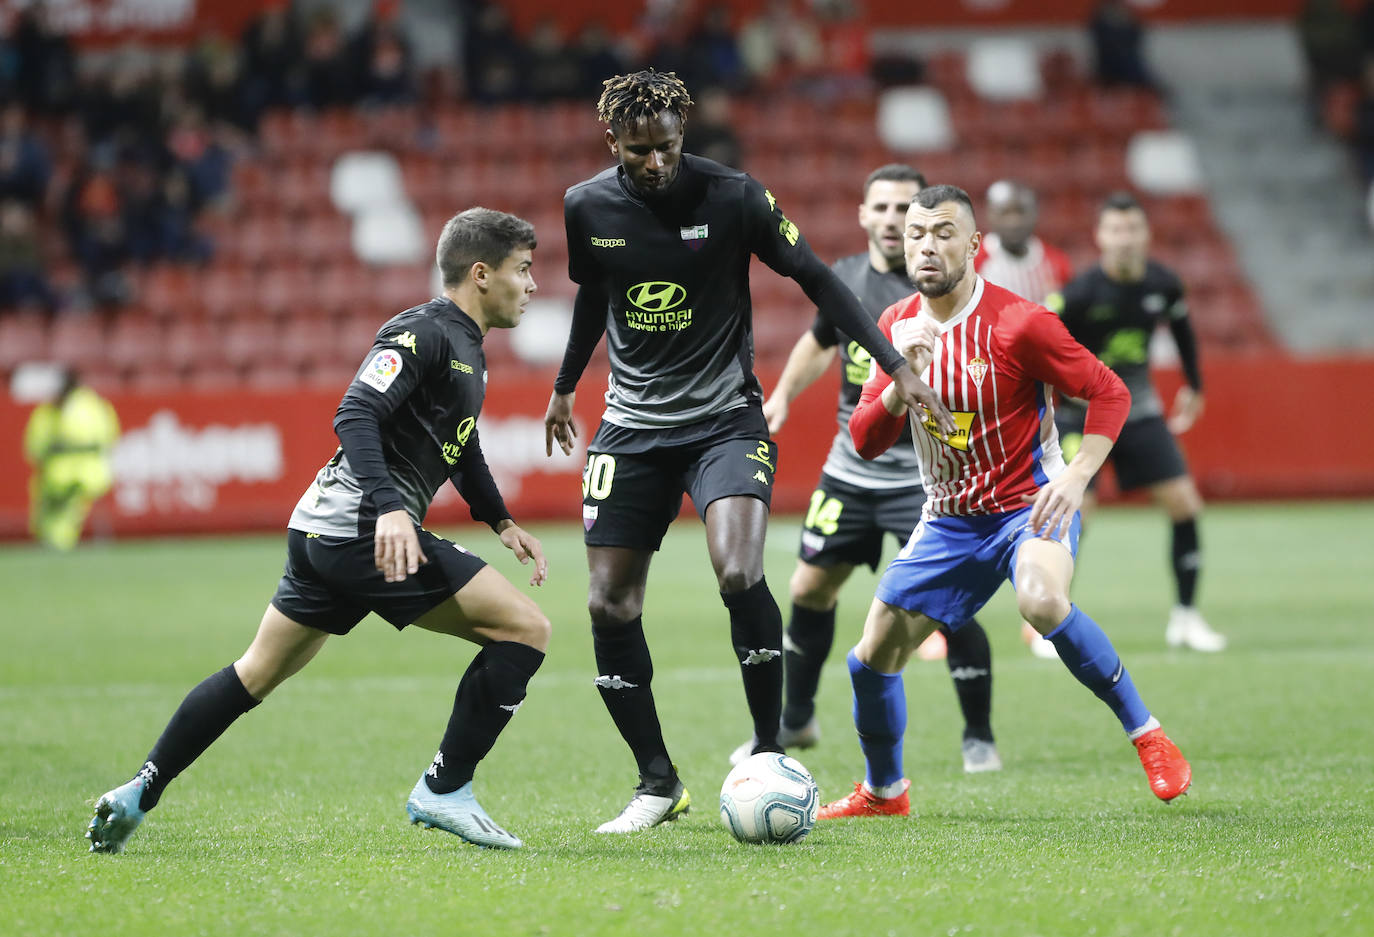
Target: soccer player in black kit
x: 857, y: 501
x: 1113, y: 309
x: 355, y: 545
x: 659, y: 246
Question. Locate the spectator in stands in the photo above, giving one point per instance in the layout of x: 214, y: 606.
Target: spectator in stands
x: 23, y: 279
x: 43, y: 73
x: 25, y: 166
x: 780, y: 43
x: 1363, y: 132
x: 382, y: 57
x: 272, y: 48
x: 1117, y: 38
x: 493, y: 56
x: 597, y: 57
x: 195, y: 150
x: 92, y: 217
x: 713, y: 55
x: 711, y: 132
x: 328, y: 78
x: 68, y: 441
x: 216, y: 84
x: 844, y: 38
x: 120, y: 103
x: 554, y: 70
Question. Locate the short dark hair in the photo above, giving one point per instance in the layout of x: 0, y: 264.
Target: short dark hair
x: 894, y: 172
x: 480, y: 234
x: 640, y: 95
x: 1120, y: 201
x: 939, y: 194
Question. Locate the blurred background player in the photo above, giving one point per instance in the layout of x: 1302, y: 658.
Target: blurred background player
x: 857, y: 502
x: 1015, y: 258
x: 659, y: 246
x: 355, y: 544
x: 68, y: 441
x: 1114, y: 309
x: 1000, y: 501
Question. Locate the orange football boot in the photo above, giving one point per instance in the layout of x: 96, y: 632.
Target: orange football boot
x: 863, y: 803
x: 1168, y: 771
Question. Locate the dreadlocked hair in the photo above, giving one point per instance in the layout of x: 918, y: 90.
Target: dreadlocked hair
x: 628, y: 98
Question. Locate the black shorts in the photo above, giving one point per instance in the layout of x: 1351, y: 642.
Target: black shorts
x: 633, y: 482
x: 331, y: 583
x: 846, y: 523
x: 1145, y: 453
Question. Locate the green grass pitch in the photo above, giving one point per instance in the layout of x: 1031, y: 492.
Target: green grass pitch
x: 294, y: 822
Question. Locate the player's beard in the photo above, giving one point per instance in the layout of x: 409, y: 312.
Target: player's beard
x: 944, y: 286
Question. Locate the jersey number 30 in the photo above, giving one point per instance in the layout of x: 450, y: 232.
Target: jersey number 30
x: 597, y: 476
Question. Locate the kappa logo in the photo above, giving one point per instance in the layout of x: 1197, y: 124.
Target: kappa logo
x: 406, y: 340
x: 613, y: 682
x: 513, y: 709
x: 977, y: 369
x: 760, y: 477
x: 656, y: 295
x: 436, y: 765
x: 762, y: 656
x: 457, y: 365
x: 607, y: 242
x: 968, y: 673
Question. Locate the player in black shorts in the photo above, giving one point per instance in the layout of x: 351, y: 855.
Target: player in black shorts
x: 858, y: 502
x: 1114, y: 309
x: 659, y: 246
x: 354, y: 543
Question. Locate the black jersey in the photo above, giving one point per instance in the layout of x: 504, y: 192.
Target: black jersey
x: 1116, y: 320
x: 898, y: 466
x: 675, y: 274
x: 407, y: 422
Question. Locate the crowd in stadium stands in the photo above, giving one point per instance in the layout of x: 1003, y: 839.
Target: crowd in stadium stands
x: 1338, y: 43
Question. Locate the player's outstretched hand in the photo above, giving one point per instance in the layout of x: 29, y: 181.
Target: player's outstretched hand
x: 395, y: 548
x: 1187, y: 408
x: 916, y: 342
x: 775, y: 412
x: 916, y: 393
x: 525, y: 546
x: 558, y: 423
x: 1053, y: 506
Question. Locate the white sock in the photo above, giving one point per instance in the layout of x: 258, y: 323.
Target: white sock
x: 1150, y: 725
x: 887, y: 791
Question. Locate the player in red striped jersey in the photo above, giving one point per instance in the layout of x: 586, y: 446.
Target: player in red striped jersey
x: 1011, y: 255
x: 1000, y: 501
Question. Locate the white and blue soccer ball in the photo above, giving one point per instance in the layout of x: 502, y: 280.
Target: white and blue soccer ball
x: 769, y: 798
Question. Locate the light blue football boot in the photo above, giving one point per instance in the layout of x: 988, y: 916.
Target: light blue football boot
x: 117, y: 815
x: 460, y: 814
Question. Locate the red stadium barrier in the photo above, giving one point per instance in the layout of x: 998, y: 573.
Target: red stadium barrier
x: 214, y: 462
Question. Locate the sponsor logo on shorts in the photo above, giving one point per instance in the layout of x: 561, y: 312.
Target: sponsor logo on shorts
x: 381, y: 370
x: 761, y: 454
x: 760, y: 477
x: 812, y: 543
x: 589, y: 513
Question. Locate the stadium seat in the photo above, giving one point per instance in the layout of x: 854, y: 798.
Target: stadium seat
x: 23, y: 338
x: 1163, y: 162
x: 914, y: 119
x: 1004, y: 69
x: 75, y: 338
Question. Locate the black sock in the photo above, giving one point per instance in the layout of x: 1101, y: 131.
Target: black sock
x: 490, y: 692
x: 756, y: 633
x: 1187, y: 559
x: 810, y: 635
x: 970, y: 667
x: 626, y: 673
x: 201, y: 718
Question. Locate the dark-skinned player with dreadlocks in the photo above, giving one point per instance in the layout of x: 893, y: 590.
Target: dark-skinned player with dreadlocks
x: 659, y: 246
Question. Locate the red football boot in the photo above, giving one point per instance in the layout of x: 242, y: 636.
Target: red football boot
x: 1168, y: 771
x: 863, y: 803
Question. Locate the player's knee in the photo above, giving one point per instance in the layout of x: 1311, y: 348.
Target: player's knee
x: 812, y: 591
x: 533, y: 628
x: 1041, y: 605
x: 736, y: 577
x: 609, y: 609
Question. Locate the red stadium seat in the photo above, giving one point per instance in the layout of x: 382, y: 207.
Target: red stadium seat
x: 76, y: 338
x: 23, y: 338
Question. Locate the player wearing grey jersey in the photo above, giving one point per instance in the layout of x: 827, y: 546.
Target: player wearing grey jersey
x: 407, y: 423
x: 858, y: 502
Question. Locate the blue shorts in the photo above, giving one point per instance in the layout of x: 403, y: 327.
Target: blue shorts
x: 952, y: 566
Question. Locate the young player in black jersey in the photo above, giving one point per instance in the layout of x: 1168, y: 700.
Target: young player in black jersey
x: 858, y: 502
x: 1114, y: 309
x: 355, y: 545
x: 659, y: 246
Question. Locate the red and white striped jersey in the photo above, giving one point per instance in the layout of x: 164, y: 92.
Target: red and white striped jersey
x: 1041, y: 271
x: 995, y: 367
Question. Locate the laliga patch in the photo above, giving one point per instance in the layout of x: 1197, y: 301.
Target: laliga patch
x: 381, y: 370
x: 589, y: 512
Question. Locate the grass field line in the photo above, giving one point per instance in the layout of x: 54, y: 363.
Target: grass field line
x: 691, y: 676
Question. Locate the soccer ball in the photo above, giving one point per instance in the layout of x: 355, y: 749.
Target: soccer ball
x: 769, y: 798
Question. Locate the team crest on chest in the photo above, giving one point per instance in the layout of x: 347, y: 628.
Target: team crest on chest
x: 694, y: 235
x: 977, y: 368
